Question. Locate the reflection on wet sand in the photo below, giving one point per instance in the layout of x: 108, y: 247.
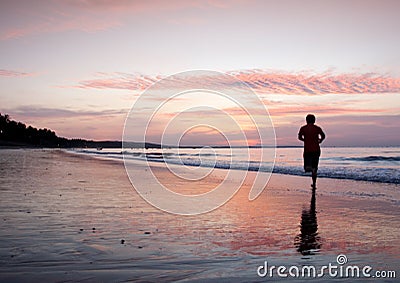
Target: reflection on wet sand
x: 308, y: 241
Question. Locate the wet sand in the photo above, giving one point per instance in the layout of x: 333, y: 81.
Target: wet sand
x: 68, y: 218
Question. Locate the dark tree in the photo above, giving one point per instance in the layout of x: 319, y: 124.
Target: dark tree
x: 13, y: 133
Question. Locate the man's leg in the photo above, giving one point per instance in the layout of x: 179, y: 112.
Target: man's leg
x: 307, y: 162
x: 314, y: 177
x: 315, y: 161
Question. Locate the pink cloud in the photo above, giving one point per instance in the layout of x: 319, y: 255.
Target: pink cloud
x: 314, y: 84
x: 89, y: 15
x: 129, y: 6
x: 12, y: 73
x: 118, y: 81
x: 59, y: 22
x: 54, y: 17
x: 265, y: 82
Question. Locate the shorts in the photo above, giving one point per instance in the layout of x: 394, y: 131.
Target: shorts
x: 311, y: 160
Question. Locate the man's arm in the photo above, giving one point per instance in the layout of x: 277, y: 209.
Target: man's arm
x: 301, y: 135
x: 322, y: 134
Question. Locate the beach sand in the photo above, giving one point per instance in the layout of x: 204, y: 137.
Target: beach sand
x: 68, y: 218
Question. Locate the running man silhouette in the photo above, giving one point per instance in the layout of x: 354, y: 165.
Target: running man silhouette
x: 312, y: 136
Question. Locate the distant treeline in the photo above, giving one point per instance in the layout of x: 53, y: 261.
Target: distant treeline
x: 13, y: 133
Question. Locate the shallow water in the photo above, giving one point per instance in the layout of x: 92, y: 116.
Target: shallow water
x: 376, y: 164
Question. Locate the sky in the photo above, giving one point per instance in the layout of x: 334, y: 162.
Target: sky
x: 79, y: 66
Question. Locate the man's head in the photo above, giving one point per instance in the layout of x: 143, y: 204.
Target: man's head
x: 310, y: 119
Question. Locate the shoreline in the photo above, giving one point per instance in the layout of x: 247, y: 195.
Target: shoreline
x: 293, y: 179
x: 280, y: 171
x: 277, y: 180
x: 341, y: 170
x: 78, y: 218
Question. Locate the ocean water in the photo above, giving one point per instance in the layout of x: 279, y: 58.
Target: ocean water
x: 372, y: 164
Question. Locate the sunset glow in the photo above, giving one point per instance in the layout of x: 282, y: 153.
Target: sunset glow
x: 77, y: 67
